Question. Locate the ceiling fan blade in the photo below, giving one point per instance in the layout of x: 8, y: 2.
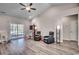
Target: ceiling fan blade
x: 30, y: 4
x: 33, y: 8
x: 29, y: 11
x: 23, y: 8
x: 22, y: 4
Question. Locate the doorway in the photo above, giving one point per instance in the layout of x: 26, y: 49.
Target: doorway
x: 70, y: 29
x: 16, y: 31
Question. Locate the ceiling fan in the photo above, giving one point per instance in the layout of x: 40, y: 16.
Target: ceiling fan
x: 28, y: 8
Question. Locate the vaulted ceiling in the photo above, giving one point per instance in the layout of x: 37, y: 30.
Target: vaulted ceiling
x: 13, y: 9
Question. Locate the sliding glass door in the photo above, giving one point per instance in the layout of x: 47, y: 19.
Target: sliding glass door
x: 20, y: 30
x: 16, y: 31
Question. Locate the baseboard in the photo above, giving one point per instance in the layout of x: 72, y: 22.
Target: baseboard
x: 70, y: 40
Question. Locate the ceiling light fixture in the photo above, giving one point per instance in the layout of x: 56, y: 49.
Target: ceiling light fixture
x: 28, y: 8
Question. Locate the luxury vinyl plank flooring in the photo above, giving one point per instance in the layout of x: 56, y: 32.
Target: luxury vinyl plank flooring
x: 31, y: 47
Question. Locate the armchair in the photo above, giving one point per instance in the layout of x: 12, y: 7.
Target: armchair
x: 49, y: 39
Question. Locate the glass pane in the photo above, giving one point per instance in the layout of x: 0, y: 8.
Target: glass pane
x: 13, y: 30
x: 16, y: 30
x: 20, y: 30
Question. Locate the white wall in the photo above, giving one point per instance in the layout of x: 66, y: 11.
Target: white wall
x: 6, y: 20
x: 78, y: 28
x: 53, y: 17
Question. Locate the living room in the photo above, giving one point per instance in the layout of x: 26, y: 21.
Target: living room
x: 44, y: 29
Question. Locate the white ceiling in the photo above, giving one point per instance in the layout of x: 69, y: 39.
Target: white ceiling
x: 13, y: 9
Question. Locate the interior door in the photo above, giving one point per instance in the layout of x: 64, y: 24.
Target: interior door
x: 73, y: 29
x: 66, y: 30
x: 70, y: 26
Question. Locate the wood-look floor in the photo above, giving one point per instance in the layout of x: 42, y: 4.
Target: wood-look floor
x: 31, y: 47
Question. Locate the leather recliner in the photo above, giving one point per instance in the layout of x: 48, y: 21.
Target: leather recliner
x: 49, y: 39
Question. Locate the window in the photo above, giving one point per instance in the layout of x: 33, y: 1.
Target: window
x: 16, y: 30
